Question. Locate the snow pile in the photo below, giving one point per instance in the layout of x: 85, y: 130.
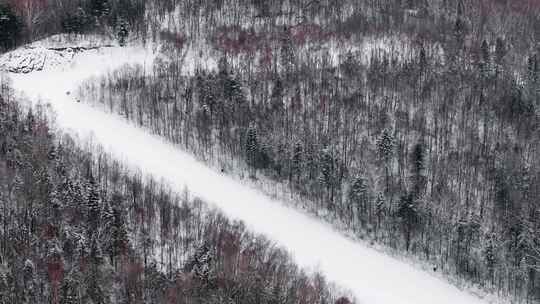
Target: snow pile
x: 374, y: 278
x: 50, y: 53
x: 31, y: 59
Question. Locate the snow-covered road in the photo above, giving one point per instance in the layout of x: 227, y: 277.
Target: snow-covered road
x: 373, y: 277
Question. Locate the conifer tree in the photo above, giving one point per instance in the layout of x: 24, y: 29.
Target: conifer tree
x: 359, y: 197
x: 252, y: 148
x: 418, y: 172
x: 408, y: 214
x: 68, y: 291
x: 297, y: 160
x: 99, y: 8
x: 500, y: 52
x: 329, y: 172
x: 10, y: 27
x: 93, y: 204
x: 123, y: 32
x: 385, y: 147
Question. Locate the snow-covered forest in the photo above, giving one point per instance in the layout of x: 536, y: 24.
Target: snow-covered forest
x: 79, y: 227
x: 409, y: 126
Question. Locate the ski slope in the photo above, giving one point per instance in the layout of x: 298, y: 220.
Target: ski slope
x: 373, y: 277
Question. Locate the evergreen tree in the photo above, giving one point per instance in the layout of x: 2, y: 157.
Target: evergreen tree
x: 359, y: 197
x: 408, y: 213
x: 122, y: 33
x: 99, y: 8
x: 277, y: 95
x: 533, y: 78
x: 485, y: 62
x: 201, y: 264
x: 252, y: 148
x: 329, y: 171
x: 10, y: 27
x: 422, y: 61
x: 108, y: 214
x: 380, y: 208
x: 93, y: 204
x: 6, y: 291
x: 533, y: 68
x: 119, y: 236
x: 28, y: 270
x: 287, y: 54
x: 77, y: 22
x: 68, y: 291
x: 459, y: 25
x: 385, y: 147
x: 297, y: 160
x: 500, y: 51
x: 95, y: 290
x: 490, y: 255
x: 350, y: 66
x: 459, y: 32
x: 419, y: 167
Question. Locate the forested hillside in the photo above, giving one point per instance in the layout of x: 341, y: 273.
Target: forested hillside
x: 413, y: 123
x: 78, y: 227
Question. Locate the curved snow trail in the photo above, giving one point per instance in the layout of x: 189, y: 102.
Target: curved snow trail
x: 374, y: 278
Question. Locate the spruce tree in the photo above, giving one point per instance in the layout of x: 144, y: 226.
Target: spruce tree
x: 99, y: 8
x: 422, y: 60
x: 380, y: 208
x: 10, y: 27
x: 252, y: 148
x: 408, y: 213
x: 123, y: 32
x: 490, y: 255
x: 329, y: 167
x: 485, y: 61
x: 418, y: 170
x: 359, y: 197
x: 94, y: 274
x: 385, y: 147
x: 119, y: 236
x: 68, y: 291
x: 297, y: 160
x: 500, y: 51
x: 93, y: 204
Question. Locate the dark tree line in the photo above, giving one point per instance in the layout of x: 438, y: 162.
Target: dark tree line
x: 24, y: 21
x: 10, y: 28
x: 78, y: 227
x: 431, y: 149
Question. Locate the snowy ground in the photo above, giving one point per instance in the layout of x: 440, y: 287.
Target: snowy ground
x: 55, y: 52
x: 373, y: 277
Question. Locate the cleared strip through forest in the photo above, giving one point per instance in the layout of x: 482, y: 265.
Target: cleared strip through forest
x: 373, y: 277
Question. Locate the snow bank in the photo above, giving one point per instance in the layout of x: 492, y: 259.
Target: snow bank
x: 373, y: 277
x: 57, y: 51
x: 31, y: 59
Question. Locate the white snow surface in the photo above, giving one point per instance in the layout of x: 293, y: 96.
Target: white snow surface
x: 52, y: 53
x: 373, y: 277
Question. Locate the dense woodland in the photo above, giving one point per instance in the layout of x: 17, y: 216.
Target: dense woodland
x: 427, y: 145
x: 24, y: 21
x: 78, y: 227
x: 431, y: 149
